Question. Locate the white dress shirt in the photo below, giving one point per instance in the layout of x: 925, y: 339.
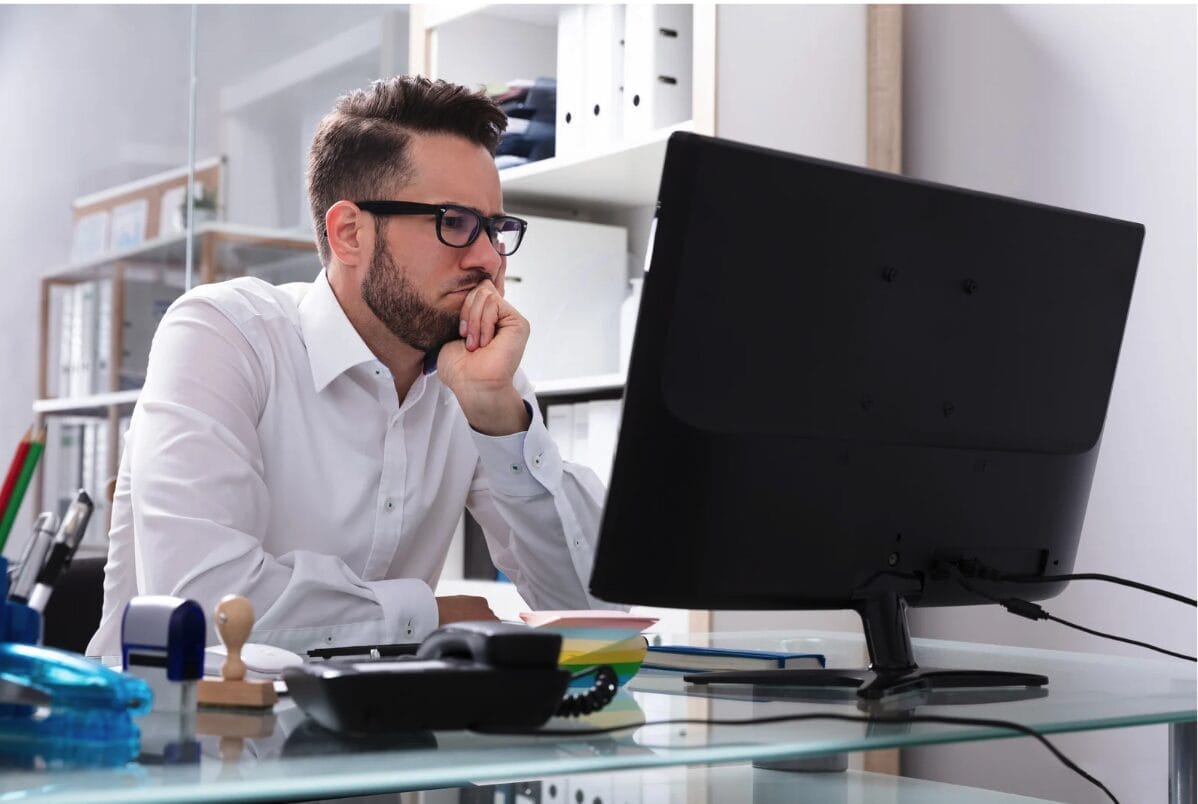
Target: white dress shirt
x: 269, y: 456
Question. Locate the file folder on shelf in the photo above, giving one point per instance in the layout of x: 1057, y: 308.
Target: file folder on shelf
x: 658, y: 44
x: 571, y: 73
x: 604, y: 79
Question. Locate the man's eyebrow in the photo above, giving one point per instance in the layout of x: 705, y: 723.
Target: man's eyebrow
x: 473, y: 209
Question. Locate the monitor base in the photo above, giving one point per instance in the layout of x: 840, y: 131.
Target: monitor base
x: 892, y: 669
x: 871, y: 684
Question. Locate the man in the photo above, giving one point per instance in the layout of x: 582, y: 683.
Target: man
x: 312, y: 446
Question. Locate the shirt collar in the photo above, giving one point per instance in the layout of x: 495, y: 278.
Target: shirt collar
x: 333, y: 345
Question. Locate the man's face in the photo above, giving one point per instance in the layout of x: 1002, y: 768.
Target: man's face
x: 416, y: 284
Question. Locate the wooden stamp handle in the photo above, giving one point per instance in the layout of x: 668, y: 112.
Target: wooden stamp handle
x: 234, y: 620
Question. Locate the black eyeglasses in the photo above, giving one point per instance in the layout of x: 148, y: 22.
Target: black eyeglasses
x: 458, y: 227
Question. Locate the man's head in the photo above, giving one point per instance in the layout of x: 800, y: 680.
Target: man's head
x: 413, y: 140
x: 362, y: 148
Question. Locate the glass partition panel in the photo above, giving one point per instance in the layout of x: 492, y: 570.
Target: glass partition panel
x: 266, y: 75
x: 95, y: 105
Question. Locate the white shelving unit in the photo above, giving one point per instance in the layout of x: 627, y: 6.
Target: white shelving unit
x: 238, y: 241
x: 624, y: 175
x: 614, y: 183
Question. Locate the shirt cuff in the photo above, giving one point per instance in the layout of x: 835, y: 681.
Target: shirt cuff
x: 409, y: 607
x: 509, y: 468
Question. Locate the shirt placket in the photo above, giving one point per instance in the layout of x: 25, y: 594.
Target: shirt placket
x: 389, y: 508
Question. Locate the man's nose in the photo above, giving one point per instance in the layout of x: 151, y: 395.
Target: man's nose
x: 482, y: 254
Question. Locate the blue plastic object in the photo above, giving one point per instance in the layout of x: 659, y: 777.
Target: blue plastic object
x: 18, y: 622
x: 58, y: 705
x: 72, y: 681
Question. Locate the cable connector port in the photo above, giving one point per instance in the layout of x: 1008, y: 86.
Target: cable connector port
x: 1024, y: 609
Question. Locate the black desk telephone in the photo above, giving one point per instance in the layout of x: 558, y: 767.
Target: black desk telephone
x: 479, y: 675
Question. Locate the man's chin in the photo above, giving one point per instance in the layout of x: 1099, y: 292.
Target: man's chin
x: 432, y: 345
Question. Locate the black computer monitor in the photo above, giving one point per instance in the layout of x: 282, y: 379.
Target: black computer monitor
x: 847, y: 387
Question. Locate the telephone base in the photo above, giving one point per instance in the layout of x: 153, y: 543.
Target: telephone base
x: 425, y: 694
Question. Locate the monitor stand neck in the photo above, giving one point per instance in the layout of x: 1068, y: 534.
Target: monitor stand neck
x: 883, y: 611
x: 892, y: 668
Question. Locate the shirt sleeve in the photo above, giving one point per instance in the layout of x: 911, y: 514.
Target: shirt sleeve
x: 200, y: 503
x: 539, y: 514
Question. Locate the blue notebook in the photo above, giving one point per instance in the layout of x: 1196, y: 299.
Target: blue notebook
x: 691, y: 659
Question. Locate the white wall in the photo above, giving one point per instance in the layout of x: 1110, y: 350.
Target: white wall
x: 1091, y: 108
x: 793, y: 78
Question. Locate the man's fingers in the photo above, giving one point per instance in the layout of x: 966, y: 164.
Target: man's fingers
x: 471, y: 318
x: 481, y: 304
x: 490, y: 318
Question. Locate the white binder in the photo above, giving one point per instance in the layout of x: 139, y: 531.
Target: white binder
x: 571, y: 77
x: 658, y: 42
x: 604, y: 76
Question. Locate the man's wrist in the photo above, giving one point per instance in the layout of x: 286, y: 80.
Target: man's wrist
x: 497, y: 413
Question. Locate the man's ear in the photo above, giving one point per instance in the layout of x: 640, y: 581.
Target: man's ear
x: 351, y: 234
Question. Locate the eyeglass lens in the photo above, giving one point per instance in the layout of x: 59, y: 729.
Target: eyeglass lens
x: 459, y: 227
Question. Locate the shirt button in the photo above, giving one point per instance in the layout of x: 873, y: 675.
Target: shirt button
x: 515, y: 467
x: 537, y: 460
x: 389, y: 505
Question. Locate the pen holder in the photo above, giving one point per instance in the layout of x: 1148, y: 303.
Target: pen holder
x: 18, y: 622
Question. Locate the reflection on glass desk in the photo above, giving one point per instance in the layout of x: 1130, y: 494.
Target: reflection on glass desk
x: 721, y: 784
x: 235, y: 757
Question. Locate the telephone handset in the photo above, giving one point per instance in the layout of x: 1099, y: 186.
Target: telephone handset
x: 480, y: 675
x: 494, y: 644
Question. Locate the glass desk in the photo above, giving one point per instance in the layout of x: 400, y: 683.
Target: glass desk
x: 223, y: 756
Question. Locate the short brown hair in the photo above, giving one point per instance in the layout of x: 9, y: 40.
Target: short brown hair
x: 361, y: 147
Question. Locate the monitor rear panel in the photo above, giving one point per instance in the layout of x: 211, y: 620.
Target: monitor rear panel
x: 839, y: 373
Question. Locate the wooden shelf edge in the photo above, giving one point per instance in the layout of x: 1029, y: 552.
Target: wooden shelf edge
x: 282, y: 237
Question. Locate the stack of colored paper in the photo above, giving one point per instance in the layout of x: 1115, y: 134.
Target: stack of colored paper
x: 591, y: 638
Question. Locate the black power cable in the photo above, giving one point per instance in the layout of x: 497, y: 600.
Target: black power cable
x: 986, y: 573
x: 899, y: 719
x: 1031, y: 611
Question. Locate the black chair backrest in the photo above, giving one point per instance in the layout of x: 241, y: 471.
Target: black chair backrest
x: 72, y: 614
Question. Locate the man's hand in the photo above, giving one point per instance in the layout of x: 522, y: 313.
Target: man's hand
x: 479, y: 369
x: 457, y: 608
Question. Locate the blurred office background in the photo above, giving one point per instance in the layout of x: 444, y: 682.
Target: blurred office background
x: 1085, y: 107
